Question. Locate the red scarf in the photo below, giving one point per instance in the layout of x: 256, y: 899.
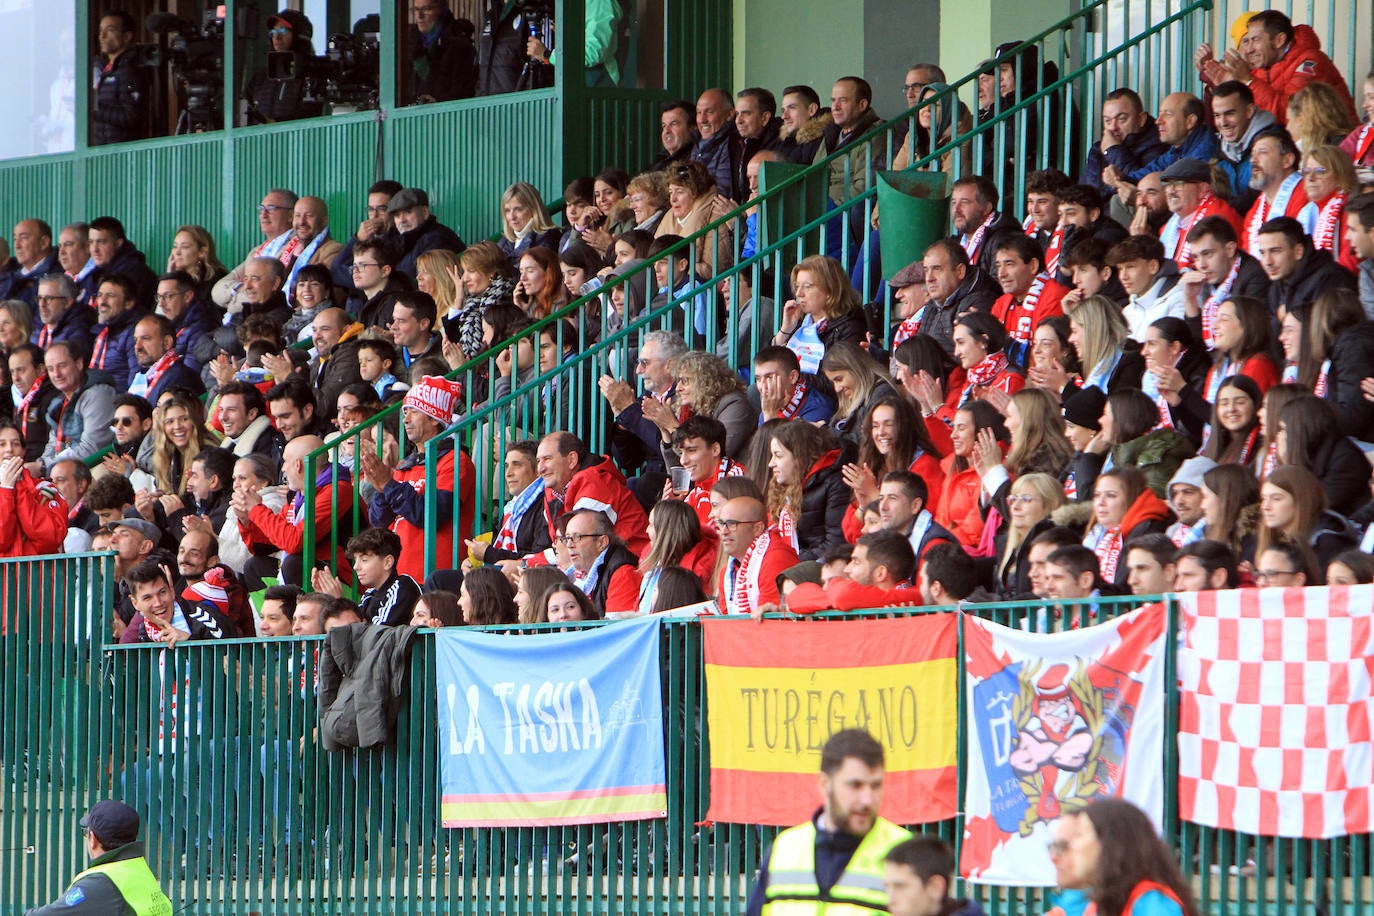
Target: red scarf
x: 699, y: 497
x: 1108, y: 552
x: 787, y: 527
x: 1024, y: 329
x: 789, y: 410
x: 44, y: 337
x: 102, y: 346
x: 1214, y: 301
x: 1052, y: 252
x: 993, y: 365
x: 1329, y: 218
x: 972, y: 243
x: 1248, y: 448
x: 1271, y: 461
x: 740, y: 600
x: 159, y: 368
x: 23, y: 408
x: 909, y: 328
x: 1363, y: 142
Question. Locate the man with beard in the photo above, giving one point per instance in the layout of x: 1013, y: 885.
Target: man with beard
x: 836, y: 857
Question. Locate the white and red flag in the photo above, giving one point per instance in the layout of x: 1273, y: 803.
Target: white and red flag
x: 1274, y: 729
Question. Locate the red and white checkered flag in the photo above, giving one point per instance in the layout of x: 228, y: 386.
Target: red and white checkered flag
x: 1276, y: 709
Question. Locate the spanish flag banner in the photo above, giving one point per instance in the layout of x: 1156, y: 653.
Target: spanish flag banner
x: 777, y: 689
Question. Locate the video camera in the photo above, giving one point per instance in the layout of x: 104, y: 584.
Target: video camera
x: 342, y: 79
x: 196, y: 53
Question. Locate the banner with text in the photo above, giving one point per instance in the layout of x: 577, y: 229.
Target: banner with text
x: 777, y: 689
x: 1054, y: 721
x: 558, y: 728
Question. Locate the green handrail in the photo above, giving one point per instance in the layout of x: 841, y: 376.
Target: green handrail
x: 687, y: 245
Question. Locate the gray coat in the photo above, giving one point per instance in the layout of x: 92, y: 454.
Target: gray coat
x: 362, y: 682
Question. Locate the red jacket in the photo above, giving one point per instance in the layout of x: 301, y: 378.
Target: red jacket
x: 777, y: 559
x: 959, y: 508
x: 1259, y: 368
x: 285, y: 529
x: 1303, y: 62
x: 1020, y: 324
x: 841, y: 594
x: 601, y: 487
x: 701, y: 559
x: 33, y: 518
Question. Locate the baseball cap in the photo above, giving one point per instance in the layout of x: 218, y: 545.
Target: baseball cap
x: 113, y: 823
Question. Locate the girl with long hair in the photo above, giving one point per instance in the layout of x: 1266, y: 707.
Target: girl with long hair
x: 895, y: 439
x: 1235, y: 437
x: 1173, y: 361
x: 178, y: 436
x: 1230, y: 508
x: 1124, y: 506
x: 1032, y: 498
x: 806, y: 494
x: 1038, y: 443
x: 1098, y: 332
x: 1317, y: 116
x: 1350, y: 567
x: 487, y: 598
x: 1119, y: 856
x: 676, y: 539
x: 1132, y: 435
x: 484, y: 281
x: 1275, y: 400
x: 525, y: 222
x: 1309, y: 435
x: 858, y: 382
x: 565, y: 603
x: 534, y: 581
x: 960, y: 506
x: 1293, y: 508
x: 540, y: 291
x: 193, y: 250
x: 1054, y: 364
x: 1241, y: 333
x: 1334, y: 344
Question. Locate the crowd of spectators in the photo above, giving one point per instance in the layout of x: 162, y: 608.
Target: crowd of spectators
x: 1155, y: 380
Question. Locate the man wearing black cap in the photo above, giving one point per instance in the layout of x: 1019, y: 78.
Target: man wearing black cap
x: 118, y: 880
x: 418, y: 229
x: 1188, y: 193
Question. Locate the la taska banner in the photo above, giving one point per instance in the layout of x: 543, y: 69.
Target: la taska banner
x: 558, y: 728
x: 1054, y: 721
x: 777, y: 689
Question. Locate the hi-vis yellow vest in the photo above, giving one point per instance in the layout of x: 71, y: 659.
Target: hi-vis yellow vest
x: 137, y: 885
x: 792, y: 888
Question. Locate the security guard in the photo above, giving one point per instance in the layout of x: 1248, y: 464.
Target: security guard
x: 833, y: 863
x: 118, y: 881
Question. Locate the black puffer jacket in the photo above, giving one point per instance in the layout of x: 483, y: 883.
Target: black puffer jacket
x: 721, y: 153
x: 825, y: 496
x: 428, y: 236
x: 1344, y: 472
x: 1315, y: 273
x: 1351, y: 360
x: 446, y: 68
x: 122, y: 95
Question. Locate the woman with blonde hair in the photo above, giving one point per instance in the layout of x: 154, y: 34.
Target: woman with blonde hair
x: 193, y: 250
x: 1359, y: 143
x: 1032, y: 499
x: 436, y: 275
x: 1328, y: 177
x: 178, y: 436
x: 1098, y: 331
x: 525, y: 222
x: 706, y: 385
x: 824, y: 310
x: 1317, y: 116
x: 693, y: 204
x: 858, y: 382
x: 1038, y: 443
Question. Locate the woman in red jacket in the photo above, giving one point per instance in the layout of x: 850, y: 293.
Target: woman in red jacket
x: 33, y: 517
x: 960, y: 508
x: 979, y: 346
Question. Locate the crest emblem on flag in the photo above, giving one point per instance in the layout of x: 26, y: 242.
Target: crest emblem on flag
x: 1056, y: 720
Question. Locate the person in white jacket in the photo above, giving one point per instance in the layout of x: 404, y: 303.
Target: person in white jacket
x: 1151, y: 280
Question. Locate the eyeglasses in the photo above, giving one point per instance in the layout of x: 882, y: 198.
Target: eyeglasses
x: 269, y: 208
x: 168, y: 297
x: 42, y: 299
x: 118, y: 422
x: 914, y: 87
x: 805, y: 287
x: 1315, y: 172
x: 377, y: 211
x: 1266, y: 575
x: 1023, y: 498
x: 568, y: 540
x: 360, y: 266
x: 730, y: 524
x: 279, y: 31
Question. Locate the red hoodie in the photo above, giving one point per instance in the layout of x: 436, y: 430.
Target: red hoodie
x: 841, y: 594
x: 1302, y: 63
x: 33, y: 518
x: 601, y: 488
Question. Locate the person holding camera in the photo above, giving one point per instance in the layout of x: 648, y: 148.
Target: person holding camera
x: 280, y: 92
x: 121, y: 89
x: 443, y: 57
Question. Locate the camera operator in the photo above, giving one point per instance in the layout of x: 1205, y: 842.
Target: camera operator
x: 599, y: 50
x: 443, y: 57
x: 121, y: 87
x: 280, y: 92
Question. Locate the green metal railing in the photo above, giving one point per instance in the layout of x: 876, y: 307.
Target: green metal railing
x: 491, y: 423
x: 243, y: 811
